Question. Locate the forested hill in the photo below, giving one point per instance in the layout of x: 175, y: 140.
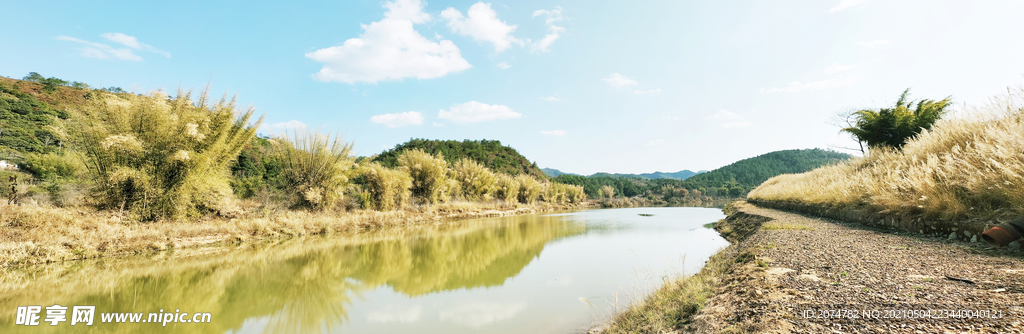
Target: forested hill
x: 733, y: 180
x: 751, y: 172
x: 490, y: 153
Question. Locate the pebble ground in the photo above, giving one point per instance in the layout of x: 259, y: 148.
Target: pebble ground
x: 812, y: 275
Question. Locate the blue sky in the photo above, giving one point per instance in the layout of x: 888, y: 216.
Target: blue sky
x: 582, y: 86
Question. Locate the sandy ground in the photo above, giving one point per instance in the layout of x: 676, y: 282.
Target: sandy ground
x: 812, y: 275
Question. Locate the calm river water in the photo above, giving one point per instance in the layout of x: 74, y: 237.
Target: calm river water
x: 553, y: 273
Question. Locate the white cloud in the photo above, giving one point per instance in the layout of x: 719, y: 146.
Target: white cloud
x: 503, y: 65
x: 101, y: 51
x: 844, y: 4
x: 438, y: 124
x: 132, y: 42
x: 840, y: 68
x: 656, y: 142
x: 796, y: 86
x: 396, y: 314
x: 551, y: 98
x: 553, y: 133
x: 476, y: 315
x: 740, y: 124
x: 105, y: 51
x: 873, y: 44
x: 390, y: 49
x: 398, y: 119
x: 729, y: 119
x: 554, y: 32
x: 723, y: 114
x: 473, y: 111
x: 645, y: 92
x: 282, y: 127
x: 482, y: 24
x: 619, y: 81
x: 552, y: 16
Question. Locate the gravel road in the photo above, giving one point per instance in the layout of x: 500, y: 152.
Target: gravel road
x: 811, y: 275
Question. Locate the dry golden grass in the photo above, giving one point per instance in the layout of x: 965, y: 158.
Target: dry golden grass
x: 966, y: 167
x: 36, y: 234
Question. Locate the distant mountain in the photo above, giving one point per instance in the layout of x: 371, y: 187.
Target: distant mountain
x: 551, y: 172
x: 680, y: 175
x: 732, y: 180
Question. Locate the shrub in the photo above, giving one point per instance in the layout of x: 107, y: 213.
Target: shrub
x: 453, y: 188
x: 608, y: 191
x: 529, y: 188
x: 389, y: 188
x: 892, y: 127
x: 160, y: 157
x: 507, y: 188
x: 52, y: 166
x: 477, y: 181
x: 315, y: 166
x: 429, y: 174
x: 560, y: 193
x: 575, y: 194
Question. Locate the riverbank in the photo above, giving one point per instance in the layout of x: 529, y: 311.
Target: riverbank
x: 793, y: 269
x: 676, y: 303
x: 36, y: 234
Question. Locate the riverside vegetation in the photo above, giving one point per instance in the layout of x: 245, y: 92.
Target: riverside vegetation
x: 115, y: 173
x: 964, y: 168
x: 917, y: 165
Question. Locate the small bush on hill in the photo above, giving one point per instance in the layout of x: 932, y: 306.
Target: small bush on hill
x: 892, y: 127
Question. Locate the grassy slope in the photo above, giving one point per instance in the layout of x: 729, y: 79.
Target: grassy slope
x: 28, y: 116
x: 962, y: 169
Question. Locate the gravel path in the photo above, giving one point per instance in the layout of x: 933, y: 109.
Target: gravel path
x: 805, y: 268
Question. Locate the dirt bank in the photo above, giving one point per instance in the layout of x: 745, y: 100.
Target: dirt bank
x: 811, y: 275
x: 32, y: 234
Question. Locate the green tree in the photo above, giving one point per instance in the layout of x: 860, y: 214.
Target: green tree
x: 892, y: 127
x: 34, y: 76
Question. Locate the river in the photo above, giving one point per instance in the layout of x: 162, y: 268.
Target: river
x: 546, y: 273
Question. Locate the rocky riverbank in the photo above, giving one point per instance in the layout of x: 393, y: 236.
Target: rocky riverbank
x: 803, y: 274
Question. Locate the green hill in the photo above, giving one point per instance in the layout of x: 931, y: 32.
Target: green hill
x: 729, y: 181
x: 26, y: 123
x: 751, y: 172
x: 490, y: 153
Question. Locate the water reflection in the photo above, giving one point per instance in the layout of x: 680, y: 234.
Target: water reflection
x: 303, y: 285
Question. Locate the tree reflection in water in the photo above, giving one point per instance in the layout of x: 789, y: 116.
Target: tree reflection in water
x: 300, y: 285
